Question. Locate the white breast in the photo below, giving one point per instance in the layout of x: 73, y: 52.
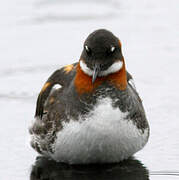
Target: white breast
x: 105, y: 136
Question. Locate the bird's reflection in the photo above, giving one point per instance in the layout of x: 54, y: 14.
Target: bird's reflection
x: 130, y: 169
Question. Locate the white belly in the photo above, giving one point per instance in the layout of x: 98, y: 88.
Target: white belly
x: 105, y: 136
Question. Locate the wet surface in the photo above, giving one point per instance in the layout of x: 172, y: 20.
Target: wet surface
x: 38, y: 37
x: 130, y: 169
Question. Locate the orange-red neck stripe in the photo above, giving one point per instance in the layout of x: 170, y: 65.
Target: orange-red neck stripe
x: 83, y: 82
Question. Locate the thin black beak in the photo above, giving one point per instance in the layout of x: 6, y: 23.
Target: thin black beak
x: 95, y: 73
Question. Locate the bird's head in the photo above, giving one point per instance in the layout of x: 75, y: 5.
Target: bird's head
x: 101, y: 54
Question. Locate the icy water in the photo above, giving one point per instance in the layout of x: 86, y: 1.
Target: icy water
x: 39, y: 36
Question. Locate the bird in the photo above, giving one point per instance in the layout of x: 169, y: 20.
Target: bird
x: 90, y: 111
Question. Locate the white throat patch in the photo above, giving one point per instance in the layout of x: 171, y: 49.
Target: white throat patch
x: 112, y: 69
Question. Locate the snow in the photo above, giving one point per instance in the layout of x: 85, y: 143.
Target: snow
x: 37, y: 37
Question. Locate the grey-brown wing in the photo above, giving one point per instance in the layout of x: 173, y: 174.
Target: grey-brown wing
x: 131, y: 83
x: 62, y: 77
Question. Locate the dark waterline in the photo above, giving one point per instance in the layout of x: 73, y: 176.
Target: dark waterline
x: 131, y: 169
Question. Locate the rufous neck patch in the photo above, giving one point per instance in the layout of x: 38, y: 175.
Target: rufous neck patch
x: 83, y: 82
x: 119, y: 79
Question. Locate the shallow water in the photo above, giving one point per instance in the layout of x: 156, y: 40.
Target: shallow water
x: 37, y: 37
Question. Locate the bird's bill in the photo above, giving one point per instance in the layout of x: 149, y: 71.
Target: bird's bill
x: 95, y: 73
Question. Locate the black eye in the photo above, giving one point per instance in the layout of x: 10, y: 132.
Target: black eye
x: 87, y: 49
x: 111, y: 50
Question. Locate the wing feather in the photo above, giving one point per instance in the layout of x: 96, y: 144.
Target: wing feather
x: 62, y: 77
